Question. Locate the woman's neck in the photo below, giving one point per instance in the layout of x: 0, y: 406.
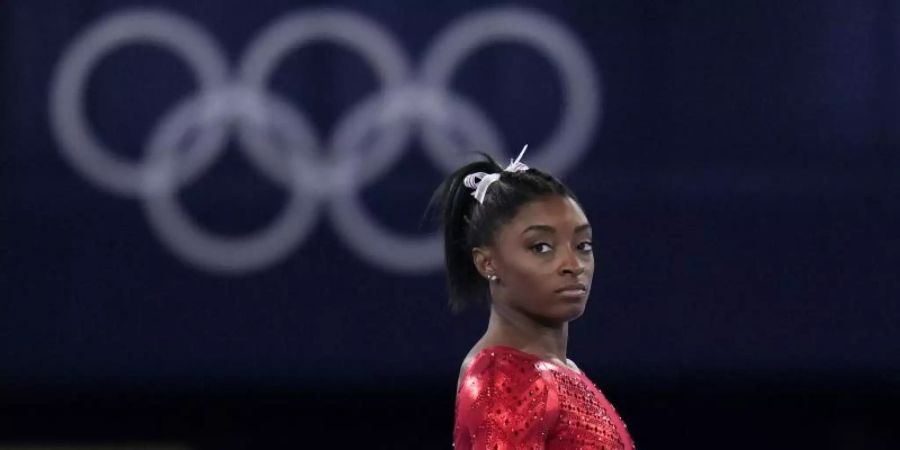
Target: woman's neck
x: 515, y: 329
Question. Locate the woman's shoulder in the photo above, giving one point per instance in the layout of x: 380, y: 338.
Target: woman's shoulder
x: 501, y: 357
x: 504, y: 396
x: 499, y: 373
x: 490, y: 362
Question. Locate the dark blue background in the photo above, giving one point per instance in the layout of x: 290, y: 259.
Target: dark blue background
x: 743, y: 186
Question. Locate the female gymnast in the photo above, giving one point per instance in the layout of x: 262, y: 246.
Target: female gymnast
x: 517, y: 240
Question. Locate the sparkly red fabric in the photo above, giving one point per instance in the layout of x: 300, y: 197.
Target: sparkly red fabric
x: 510, y: 399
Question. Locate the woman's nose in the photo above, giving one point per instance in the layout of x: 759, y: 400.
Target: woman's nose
x: 571, y: 264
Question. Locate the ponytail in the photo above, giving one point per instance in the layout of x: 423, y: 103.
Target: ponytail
x: 455, y: 202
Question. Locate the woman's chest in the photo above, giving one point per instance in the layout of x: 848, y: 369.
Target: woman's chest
x: 585, y: 419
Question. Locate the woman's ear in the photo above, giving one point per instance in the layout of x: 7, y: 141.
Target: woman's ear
x: 481, y: 257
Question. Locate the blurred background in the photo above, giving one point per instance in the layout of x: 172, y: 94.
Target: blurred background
x: 213, y: 230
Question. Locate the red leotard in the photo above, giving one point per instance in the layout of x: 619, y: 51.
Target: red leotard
x: 510, y: 399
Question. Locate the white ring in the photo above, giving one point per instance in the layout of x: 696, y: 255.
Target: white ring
x: 68, y: 117
x: 378, y: 245
x: 357, y: 33
x: 199, y: 247
x: 581, y: 108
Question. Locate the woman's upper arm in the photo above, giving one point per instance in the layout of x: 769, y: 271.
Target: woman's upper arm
x: 503, y: 407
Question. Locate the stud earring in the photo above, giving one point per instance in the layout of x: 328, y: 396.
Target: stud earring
x: 492, y: 277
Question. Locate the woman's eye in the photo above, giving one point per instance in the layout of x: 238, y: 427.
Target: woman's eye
x: 541, y: 248
x: 586, y: 246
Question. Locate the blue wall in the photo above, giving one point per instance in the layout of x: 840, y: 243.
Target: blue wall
x: 740, y: 172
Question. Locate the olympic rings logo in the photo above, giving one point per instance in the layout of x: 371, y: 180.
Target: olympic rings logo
x: 321, y: 175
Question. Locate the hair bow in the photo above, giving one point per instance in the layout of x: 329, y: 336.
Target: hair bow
x: 480, y: 181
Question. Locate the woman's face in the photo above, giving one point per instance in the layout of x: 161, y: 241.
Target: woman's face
x: 543, y: 260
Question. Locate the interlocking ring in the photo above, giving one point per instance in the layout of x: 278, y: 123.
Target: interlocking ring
x: 281, y: 142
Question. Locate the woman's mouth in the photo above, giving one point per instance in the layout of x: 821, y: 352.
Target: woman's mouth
x: 574, y: 291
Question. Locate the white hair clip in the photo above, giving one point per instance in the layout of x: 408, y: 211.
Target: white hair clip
x: 480, y: 181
